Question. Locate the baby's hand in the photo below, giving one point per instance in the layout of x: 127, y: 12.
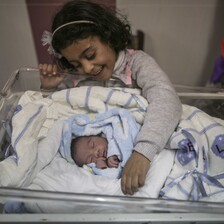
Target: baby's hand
x: 49, y: 77
x: 113, y: 161
x: 101, y: 163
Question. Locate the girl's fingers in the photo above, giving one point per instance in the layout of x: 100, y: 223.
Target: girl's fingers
x: 43, y: 68
x: 54, y: 69
x: 49, y: 69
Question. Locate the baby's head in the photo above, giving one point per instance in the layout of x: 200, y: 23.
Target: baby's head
x: 88, y: 149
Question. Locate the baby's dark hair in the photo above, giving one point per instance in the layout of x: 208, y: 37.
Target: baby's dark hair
x: 74, y: 147
x: 111, y: 27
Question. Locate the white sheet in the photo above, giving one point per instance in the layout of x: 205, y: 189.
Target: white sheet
x: 37, y: 126
x: 35, y: 116
x: 198, y: 170
x: 61, y: 176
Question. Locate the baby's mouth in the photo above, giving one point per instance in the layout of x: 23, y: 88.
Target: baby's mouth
x: 105, y: 153
x: 101, y: 152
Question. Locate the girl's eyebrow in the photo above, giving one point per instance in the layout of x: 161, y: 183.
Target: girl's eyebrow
x: 82, y: 54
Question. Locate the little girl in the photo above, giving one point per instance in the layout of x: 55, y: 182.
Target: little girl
x: 90, y: 40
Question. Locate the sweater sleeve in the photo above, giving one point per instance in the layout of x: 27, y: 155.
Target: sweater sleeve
x: 164, y: 110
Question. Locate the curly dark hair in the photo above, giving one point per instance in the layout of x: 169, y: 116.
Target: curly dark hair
x: 110, y: 26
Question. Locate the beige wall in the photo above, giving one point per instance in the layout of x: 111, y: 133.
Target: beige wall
x: 16, y: 42
x: 182, y: 35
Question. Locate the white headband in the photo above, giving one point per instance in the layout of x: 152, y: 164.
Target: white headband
x: 73, y: 22
x: 47, y: 36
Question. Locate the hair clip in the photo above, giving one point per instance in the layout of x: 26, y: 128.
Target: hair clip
x: 47, y: 40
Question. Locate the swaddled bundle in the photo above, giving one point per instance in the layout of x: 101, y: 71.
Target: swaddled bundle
x: 38, y: 125
x: 37, y: 115
x: 117, y: 125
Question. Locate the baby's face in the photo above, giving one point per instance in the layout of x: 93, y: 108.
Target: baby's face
x: 89, y: 149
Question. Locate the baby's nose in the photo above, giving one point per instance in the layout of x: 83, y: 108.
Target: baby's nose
x: 98, y: 153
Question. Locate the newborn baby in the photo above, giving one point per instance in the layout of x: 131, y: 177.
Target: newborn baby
x: 92, y: 149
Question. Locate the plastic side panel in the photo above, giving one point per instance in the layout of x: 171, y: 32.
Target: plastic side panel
x: 22, y: 80
x: 114, y: 218
x: 125, y: 210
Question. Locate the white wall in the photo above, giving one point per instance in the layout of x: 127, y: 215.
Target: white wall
x: 16, y: 42
x: 182, y: 35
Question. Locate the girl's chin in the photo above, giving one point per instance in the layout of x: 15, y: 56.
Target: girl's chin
x: 100, y: 78
x: 104, y: 77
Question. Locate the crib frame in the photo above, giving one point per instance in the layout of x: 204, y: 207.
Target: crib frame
x: 106, y: 209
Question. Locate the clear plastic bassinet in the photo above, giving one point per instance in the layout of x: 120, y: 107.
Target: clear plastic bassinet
x: 88, y: 208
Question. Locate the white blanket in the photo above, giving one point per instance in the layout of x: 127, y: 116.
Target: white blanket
x: 35, y: 116
x: 37, y: 128
x: 37, y: 164
x: 198, y: 170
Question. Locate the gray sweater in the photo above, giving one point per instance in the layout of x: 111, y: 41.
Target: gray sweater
x: 164, y: 110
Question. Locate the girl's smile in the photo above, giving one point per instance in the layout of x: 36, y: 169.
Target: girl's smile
x: 91, y: 57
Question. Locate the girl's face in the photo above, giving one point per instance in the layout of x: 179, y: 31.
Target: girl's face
x: 91, y: 57
x: 89, y: 149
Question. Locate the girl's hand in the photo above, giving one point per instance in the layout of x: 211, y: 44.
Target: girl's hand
x: 113, y: 161
x: 134, y: 173
x: 49, y: 77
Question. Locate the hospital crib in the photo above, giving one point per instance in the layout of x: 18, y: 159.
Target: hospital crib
x: 103, y: 208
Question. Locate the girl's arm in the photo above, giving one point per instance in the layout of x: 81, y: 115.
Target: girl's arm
x: 164, y: 109
x: 161, y: 119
